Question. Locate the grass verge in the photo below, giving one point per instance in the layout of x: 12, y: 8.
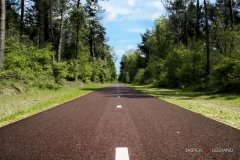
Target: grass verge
x: 224, y: 108
x: 18, y: 102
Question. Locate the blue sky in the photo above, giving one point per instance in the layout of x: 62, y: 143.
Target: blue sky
x: 125, y: 20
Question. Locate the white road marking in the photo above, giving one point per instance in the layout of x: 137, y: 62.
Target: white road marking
x: 118, y: 96
x: 121, y: 153
x: 119, y: 106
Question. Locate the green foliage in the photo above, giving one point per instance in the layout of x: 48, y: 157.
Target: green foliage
x: 30, y: 58
x: 103, y: 72
x: 86, y: 72
x: 191, y: 70
x: 33, y: 66
x: 226, y: 73
x: 152, y: 71
x: 77, y: 15
x: 172, y: 62
x: 59, y: 72
x: 162, y: 43
x: 139, y: 78
x: 174, y: 53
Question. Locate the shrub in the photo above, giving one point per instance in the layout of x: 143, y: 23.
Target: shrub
x: 138, y: 79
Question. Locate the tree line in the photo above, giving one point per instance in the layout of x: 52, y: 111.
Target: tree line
x: 50, y: 41
x: 196, y: 45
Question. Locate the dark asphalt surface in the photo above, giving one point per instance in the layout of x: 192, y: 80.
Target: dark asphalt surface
x: 91, y: 127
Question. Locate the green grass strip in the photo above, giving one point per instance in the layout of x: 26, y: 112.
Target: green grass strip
x: 224, y: 108
x: 55, y: 98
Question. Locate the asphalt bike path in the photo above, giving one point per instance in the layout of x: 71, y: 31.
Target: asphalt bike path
x: 118, y: 123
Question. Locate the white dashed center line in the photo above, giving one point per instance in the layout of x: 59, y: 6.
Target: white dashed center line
x: 119, y: 106
x: 118, y: 96
x: 121, y: 153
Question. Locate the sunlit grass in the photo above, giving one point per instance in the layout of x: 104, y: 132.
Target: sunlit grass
x: 224, y: 108
x: 16, y: 105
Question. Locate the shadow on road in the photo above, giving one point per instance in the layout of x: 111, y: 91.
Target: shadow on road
x: 124, y: 92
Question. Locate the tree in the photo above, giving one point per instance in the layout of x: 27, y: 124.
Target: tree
x: 2, y: 31
x: 22, y: 18
x: 55, y: 28
x: 162, y: 38
x: 78, y: 28
x: 197, y: 20
x: 63, y: 3
x: 231, y: 12
x: 92, y: 8
x: 78, y: 20
x: 51, y: 25
x: 144, y: 46
x: 207, y: 39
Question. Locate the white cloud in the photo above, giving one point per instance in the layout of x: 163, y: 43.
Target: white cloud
x: 131, y: 2
x: 147, y: 10
x: 112, y: 11
x: 120, y: 52
x: 132, y: 10
x: 130, y: 47
x: 125, y: 19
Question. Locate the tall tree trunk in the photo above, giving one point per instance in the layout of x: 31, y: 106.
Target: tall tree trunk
x: 93, y: 53
x: 185, y: 30
x: 92, y: 44
x: 78, y: 28
x: 38, y: 29
x: 232, y: 23
x: 51, y: 26
x: 22, y: 19
x: 46, y: 24
x: 197, y: 21
x: 207, y: 39
x: 61, y: 34
x: 197, y: 36
x: 231, y: 12
x: 185, y: 26
x: 2, y: 31
x: 77, y: 39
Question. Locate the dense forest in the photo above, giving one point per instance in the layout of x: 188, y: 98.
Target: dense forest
x: 46, y: 42
x: 195, y: 46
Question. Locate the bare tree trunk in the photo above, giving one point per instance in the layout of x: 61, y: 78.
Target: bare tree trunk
x: 2, y: 31
x: 197, y: 21
x: 185, y: 30
x: 77, y: 39
x: 38, y: 40
x: 78, y: 28
x: 232, y: 22
x: 92, y: 43
x: 51, y: 27
x: 60, y: 35
x: 22, y: 19
x: 46, y: 24
x: 231, y: 12
x: 93, y: 53
x: 185, y: 27
x: 207, y: 39
x: 38, y: 30
x: 197, y: 36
